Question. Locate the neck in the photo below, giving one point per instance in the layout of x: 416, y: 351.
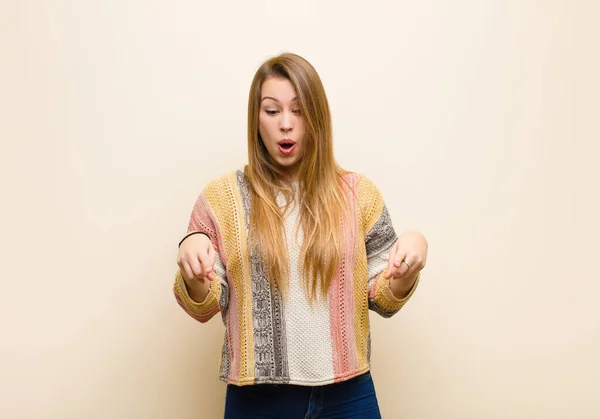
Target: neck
x: 292, y: 174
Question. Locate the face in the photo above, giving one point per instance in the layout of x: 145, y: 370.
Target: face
x: 281, y: 124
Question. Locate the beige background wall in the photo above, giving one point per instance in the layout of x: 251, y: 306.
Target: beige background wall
x: 477, y: 119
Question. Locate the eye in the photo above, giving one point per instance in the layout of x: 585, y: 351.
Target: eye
x: 297, y: 111
x: 270, y: 112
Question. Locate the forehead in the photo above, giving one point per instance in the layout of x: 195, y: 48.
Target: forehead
x: 278, y: 88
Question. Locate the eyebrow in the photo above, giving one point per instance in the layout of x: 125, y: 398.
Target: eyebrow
x: 272, y: 98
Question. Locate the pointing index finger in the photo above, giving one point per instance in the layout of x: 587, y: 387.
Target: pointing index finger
x: 391, y: 258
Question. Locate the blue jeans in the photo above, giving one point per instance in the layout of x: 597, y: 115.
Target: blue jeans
x: 354, y: 398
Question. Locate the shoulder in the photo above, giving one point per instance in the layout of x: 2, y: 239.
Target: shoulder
x: 222, y: 192
x: 219, y: 202
x: 222, y: 183
x: 369, y: 200
x: 366, y: 185
x: 365, y: 189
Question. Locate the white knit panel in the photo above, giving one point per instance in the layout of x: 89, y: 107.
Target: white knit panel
x: 376, y: 265
x: 308, y: 328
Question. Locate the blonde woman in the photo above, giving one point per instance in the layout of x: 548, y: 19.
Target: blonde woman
x: 293, y: 251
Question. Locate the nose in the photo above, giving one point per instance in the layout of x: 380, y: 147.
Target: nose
x: 285, y: 124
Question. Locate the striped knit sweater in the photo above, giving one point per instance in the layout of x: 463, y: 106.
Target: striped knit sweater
x: 269, y: 340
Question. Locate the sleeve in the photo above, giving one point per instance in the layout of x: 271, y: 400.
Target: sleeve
x: 379, y: 239
x: 217, y: 299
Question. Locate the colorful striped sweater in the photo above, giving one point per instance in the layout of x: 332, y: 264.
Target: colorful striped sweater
x: 269, y: 340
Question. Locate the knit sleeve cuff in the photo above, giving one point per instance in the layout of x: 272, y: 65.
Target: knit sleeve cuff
x: 382, y: 299
x: 201, y: 311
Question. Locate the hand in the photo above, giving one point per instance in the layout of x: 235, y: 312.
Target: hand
x: 196, y: 259
x: 407, y: 257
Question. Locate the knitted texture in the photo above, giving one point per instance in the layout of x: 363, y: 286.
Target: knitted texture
x: 267, y: 339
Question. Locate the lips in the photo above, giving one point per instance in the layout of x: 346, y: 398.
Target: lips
x: 286, y: 146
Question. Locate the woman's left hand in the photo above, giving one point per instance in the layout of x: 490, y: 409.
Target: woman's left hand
x: 407, y: 257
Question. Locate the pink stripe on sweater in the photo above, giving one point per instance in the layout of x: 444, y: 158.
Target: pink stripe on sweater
x: 335, y: 315
x: 203, y: 219
x: 341, y: 294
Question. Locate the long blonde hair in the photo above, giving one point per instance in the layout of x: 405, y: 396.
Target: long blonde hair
x: 321, y: 183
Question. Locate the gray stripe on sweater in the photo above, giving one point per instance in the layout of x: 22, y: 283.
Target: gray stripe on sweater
x: 382, y: 236
x: 270, y: 357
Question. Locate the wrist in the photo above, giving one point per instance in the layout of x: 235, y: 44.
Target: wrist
x: 191, y: 234
x: 197, y: 290
x: 401, y: 286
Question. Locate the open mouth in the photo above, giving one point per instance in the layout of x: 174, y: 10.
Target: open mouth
x: 286, y: 147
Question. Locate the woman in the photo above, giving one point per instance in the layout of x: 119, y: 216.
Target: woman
x: 294, y: 251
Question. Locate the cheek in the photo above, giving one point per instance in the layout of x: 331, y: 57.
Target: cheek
x: 264, y: 128
x: 301, y: 130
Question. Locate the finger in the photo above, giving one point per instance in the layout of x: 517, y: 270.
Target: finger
x: 393, y: 273
x: 204, y: 260
x: 197, y: 269
x: 212, y: 256
x: 391, y: 258
x: 410, y: 265
x: 186, y: 270
x: 400, y: 255
x: 405, y: 267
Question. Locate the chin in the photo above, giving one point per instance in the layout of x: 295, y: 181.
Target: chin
x: 287, y: 165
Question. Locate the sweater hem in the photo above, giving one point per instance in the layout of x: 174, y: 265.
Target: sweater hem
x: 294, y: 380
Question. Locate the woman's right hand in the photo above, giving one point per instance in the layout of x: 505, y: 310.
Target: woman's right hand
x: 196, y: 259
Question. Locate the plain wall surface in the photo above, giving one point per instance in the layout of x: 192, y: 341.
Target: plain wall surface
x: 478, y: 121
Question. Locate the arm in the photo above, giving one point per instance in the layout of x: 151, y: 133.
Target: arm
x: 386, y: 296
x: 206, y: 300
x: 401, y: 288
x: 201, y: 286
